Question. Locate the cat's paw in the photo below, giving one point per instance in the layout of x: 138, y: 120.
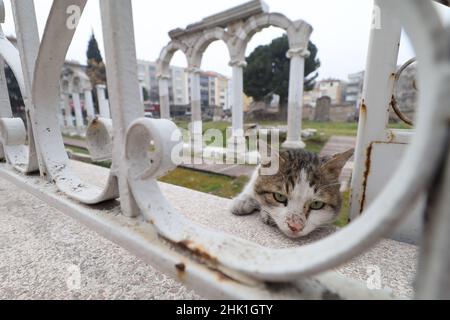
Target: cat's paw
x: 267, y: 219
x: 241, y: 206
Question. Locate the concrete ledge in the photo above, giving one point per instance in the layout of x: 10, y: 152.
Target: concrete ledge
x: 39, y: 243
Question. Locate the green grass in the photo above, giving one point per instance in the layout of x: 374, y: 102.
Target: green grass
x: 332, y: 128
x: 314, y: 144
x: 105, y: 164
x: 75, y: 137
x: 342, y: 219
x: 77, y: 149
x: 215, y: 184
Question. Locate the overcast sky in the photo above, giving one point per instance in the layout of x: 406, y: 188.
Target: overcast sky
x: 341, y: 30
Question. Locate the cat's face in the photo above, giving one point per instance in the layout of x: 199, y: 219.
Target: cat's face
x: 304, y: 193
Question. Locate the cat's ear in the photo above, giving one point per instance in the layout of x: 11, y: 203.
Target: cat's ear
x: 332, y: 167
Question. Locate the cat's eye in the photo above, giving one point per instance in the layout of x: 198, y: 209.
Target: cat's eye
x: 280, y: 198
x: 316, y: 205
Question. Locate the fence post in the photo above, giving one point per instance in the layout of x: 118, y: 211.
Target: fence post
x: 378, y: 84
x: 123, y: 85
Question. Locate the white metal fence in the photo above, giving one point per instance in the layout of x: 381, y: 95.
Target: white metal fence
x: 217, y: 264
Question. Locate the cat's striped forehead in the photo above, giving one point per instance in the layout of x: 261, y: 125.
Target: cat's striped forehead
x: 296, y: 166
x: 299, y: 166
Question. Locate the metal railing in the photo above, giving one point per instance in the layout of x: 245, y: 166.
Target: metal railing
x: 214, y: 263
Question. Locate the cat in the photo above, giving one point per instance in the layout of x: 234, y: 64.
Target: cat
x: 300, y: 197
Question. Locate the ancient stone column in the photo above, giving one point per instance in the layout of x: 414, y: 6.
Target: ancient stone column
x: 164, y: 102
x: 60, y: 112
x: 78, y: 112
x: 103, y: 103
x: 295, y: 99
x: 196, y: 108
x: 89, y: 104
x: 237, y: 96
x: 67, y: 110
x: 141, y: 92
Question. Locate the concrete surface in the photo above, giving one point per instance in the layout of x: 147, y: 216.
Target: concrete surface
x: 38, y: 246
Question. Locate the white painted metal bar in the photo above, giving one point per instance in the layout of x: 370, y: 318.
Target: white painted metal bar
x: 433, y: 281
x: 23, y: 157
x: 121, y: 70
x: 377, y: 93
x: 52, y: 52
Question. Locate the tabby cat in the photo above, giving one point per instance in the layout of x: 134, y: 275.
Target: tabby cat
x: 300, y: 197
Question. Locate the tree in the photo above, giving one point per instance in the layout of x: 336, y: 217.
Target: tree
x: 145, y: 94
x: 96, y: 70
x: 267, y: 70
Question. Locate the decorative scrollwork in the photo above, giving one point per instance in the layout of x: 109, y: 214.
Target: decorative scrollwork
x: 13, y: 132
x: 52, y: 52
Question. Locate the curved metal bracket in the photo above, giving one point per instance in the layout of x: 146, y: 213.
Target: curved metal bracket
x: 55, y: 43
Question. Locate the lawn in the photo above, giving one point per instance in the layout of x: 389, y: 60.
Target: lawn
x: 215, y: 184
x: 314, y: 144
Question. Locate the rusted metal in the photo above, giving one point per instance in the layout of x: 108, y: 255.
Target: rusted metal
x: 368, y: 164
x: 400, y: 114
x: 198, y: 250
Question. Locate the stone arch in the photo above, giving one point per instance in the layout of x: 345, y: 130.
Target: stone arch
x: 167, y: 53
x: 163, y: 73
x: 298, y: 32
x: 257, y: 23
x: 204, y: 40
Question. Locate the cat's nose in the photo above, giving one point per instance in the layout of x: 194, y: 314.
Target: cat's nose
x: 295, y: 226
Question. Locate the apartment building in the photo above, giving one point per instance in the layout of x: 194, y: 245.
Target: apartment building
x: 214, y: 87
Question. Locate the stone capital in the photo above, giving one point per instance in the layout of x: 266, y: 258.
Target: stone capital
x: 300, y: 51
x: 237, y: 63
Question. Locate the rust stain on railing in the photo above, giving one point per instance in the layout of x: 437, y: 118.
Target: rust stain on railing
x: 198, y: 251
x: 367, y: 164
